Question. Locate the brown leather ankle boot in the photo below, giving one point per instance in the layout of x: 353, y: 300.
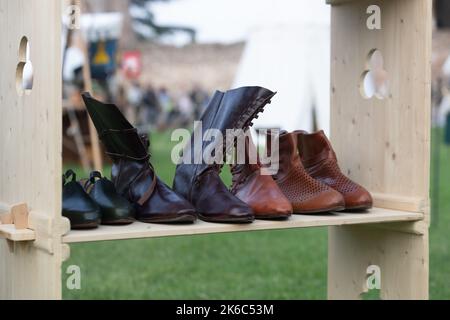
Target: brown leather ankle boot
x: 259, y: 191
x: 306, y: 194
x: 320, y: 162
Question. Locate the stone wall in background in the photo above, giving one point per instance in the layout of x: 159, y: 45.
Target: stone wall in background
x: 180, y: 68
x: 211, y: 66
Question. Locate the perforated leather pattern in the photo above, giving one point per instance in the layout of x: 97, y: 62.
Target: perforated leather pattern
x: 299, y: 186
x: 331, y: 175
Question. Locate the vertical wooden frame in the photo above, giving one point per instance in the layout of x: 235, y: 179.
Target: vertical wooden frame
x: 30, y: 144
x: 382, y: 144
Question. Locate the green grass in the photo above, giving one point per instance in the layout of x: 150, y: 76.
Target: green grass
x: 287, y: 264
x: 440, y: 226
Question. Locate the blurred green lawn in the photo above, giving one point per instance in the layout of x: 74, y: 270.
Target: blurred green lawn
x: 286, y: 264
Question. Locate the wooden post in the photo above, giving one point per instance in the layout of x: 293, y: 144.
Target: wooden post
x: 30, y: 144
x: 87, y: 78
x: 74, y: 123
x: 384, y: 144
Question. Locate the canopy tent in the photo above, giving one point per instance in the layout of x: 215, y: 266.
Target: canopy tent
x: 293, y: 60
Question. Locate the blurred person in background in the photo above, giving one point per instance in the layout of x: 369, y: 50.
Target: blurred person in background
x: 166, y: 104
x: 186, y: 110
x: 150, y: 106
x: 121, y: 99
x: 200, y: 99
x: 134, y: 99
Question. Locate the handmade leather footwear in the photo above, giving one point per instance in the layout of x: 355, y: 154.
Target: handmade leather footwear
x: 306, y: 194
x: 320, y: 162
x: 199, y: 181
x: 132, y: 173
x: 77, y: 206
x: 257, y: 190
x: 114, y: 208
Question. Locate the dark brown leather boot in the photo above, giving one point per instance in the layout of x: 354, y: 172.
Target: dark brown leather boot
x: 306, y: 194
x: 259, y: 191
x: 132, y: 173
x: 321, y: 163
x: 200, y: 183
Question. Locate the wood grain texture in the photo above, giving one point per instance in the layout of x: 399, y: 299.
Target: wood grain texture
x: 382, y: 144
x: 402, y: 258
x: 9, y: 232
x: 30, y: 144
x: 20, y: 216
x: 144, y: 230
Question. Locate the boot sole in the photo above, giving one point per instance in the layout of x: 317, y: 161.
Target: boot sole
x: 179, y: 219
x: 91, y: 225
x: 326, y: 210
x: 119, y: 222
x: 357, y: 209
x: 273, y: 217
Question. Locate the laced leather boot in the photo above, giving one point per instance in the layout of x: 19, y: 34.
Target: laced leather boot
x: 200, y: 183
x: 132, y: 174
x: 321, y: 163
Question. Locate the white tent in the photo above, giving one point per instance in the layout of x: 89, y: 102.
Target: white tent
x: 293, y: 60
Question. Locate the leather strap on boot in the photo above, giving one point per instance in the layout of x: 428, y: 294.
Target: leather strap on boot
x: 126, y: 144
x: 147, y: 194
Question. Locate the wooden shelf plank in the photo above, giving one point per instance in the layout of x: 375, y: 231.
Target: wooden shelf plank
x: 145, y: 230
x: 9, y: 231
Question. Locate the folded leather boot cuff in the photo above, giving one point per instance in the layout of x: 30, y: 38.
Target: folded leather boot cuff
x: 124, y: 144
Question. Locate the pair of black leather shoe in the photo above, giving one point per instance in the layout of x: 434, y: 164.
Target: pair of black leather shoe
x: 94, y: 201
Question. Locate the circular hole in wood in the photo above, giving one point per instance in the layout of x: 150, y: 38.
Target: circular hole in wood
x: 24, y: 71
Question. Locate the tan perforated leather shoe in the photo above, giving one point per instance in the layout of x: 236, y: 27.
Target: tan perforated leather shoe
x: 320, y: 162
x: 306, y: 194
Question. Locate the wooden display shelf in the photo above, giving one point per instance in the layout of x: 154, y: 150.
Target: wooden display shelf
x: 146, y: 230
x: 383, y: 144
x: 9, y: 231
